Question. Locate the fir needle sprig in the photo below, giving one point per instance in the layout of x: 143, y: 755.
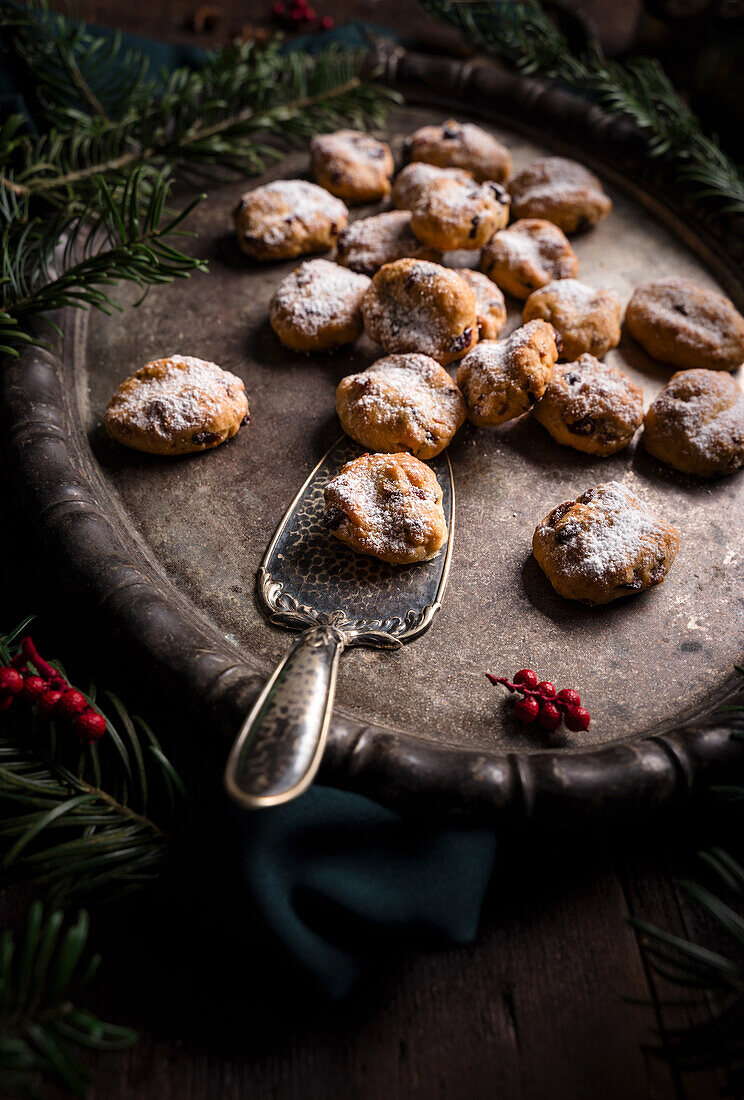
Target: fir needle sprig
x: 638, y: 90
x: 84, y: 206
x: 43, y: 972
x: 88, y: 823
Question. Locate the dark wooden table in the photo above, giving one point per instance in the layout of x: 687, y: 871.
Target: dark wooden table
x: 539, y: 1007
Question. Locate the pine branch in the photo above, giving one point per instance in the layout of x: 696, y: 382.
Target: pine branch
x: 85, y: 822
x: 97, y: 180
x: 522, y: 34
x: 70, y: 259
x: 204, y: 122
x: 41, y: 977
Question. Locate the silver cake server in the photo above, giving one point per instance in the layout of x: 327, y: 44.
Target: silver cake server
x: 310, y: 581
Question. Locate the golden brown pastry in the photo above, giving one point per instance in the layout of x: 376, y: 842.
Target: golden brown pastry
x: 696, y: 423
x: 604, y: 545
x: 177, y: 405
x: 502, y: 379
x: 680, y: 322
x: 528, y: 254
x: 560, y: 190
x: 369, y: 243
x: 288, y: 218
x: 417, y: 306
x: 591, y: 407
x: 352, y: 165
x: 461, y: 145
x: 389, y: 506
x: 401, y: 403
x: 586, y: 319
x: 318, y: 307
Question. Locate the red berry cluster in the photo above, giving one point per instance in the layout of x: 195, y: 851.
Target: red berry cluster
x: 296, y: 12
x: 541, y: 702
x: 49, y: 692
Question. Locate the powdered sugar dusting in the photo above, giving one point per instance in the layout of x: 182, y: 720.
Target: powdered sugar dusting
x: 598, y: 538
x: 420, y: 308
x: 530, y: 241
x: 416, y: 177
x: 383, y: 505
x: 410, y: 397
x: 176, y: 394
x: 704, y: 412
x: 368, y: 243
x: 463, y: 145
x: 319, y: 294
x: 298, y: 200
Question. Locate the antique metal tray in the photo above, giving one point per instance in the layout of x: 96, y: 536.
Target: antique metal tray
x: 164, y: 552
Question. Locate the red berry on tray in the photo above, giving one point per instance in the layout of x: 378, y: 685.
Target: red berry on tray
x: 310, y: 14
x: 327, y: 23
x: 549, y: 716
x: 527, y: 710
x: 526, y: 677
x: 547, y: 689
x: 577, y: 718
x: 278, y: 8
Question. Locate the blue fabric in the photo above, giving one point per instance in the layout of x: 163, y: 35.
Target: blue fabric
x: 333, y: 878
x: 336, y: 878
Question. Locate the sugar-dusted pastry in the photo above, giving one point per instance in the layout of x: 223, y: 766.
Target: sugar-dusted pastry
x: 461, y: 145
x: 412, y: 182
x: 389, y: 506
x: 560, y: 190
x: 502, y: 379
x: 587, y: 319
x: 696, y: 423
x: 449, y: 214
x: 352, y: 165
x: 490, y: 308
x: 401, y: 403
x: 414, y: 305
x: 177, y: 405
x: 528, y: 254
x: 288, y: 218
x: 604, y: 545
x: 680, y: 322
x: 590, y: 406
x: 318, y: 306
x: 368, y: 243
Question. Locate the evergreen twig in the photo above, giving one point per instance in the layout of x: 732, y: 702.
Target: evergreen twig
x: 639, y: 90
x: 42, y: 974
x: 98, y: 179
x: 90, y: 822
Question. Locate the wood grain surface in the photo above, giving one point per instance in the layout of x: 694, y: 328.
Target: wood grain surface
x: 533, y: 1010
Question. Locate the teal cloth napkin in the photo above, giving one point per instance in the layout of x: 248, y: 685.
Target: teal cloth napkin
x: 333, y: 878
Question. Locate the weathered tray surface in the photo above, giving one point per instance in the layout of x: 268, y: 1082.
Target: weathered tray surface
x: 176, y: 543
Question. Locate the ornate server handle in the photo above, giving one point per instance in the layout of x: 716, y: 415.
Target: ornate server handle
x: 280, y: 746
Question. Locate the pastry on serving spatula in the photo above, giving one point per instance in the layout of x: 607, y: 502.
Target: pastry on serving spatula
x: 311, y: 581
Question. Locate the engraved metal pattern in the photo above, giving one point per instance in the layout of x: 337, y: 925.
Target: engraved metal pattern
x: 279, y: 748
x: 308, y: 576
